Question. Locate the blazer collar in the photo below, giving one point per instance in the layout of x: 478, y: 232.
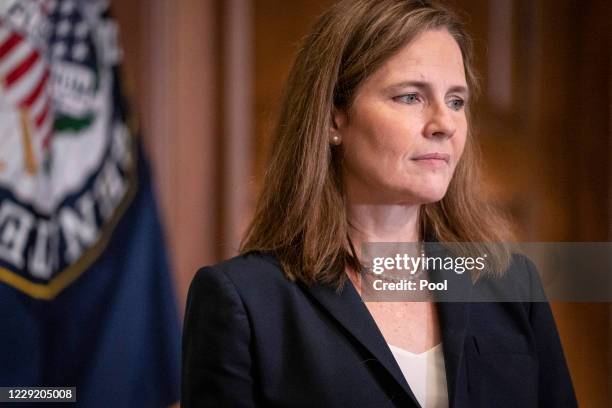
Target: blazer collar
x: 348, y: 309
x: 350, y: 312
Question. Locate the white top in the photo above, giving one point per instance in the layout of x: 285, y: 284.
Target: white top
x: 425, y: 374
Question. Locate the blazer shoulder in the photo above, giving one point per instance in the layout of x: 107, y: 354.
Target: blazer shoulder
x: 525, y: 269
x: 523, y: 261
x: 521, y: 267
x: 249, y: 271
x: 520, y: 282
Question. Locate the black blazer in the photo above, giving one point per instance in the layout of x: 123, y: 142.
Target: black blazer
x: 254, y: 338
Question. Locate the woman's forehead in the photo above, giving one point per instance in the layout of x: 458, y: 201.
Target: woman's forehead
x: 433, y: 57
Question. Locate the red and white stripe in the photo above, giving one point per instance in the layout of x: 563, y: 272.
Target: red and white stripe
x: 25, y: 81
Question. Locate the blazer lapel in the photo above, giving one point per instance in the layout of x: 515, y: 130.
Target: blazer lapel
x: 453, y: 314
x: 453, y: 320
x: 348, y: 309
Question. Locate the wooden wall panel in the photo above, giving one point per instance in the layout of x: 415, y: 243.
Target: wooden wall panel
x: 170, y: 62
x: 279, y: 26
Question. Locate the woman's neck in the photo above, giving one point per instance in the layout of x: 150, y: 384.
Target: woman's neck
x: 383, y: 223
x: 380, y: 223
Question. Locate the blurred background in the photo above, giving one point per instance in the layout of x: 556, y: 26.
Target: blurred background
x: 205, y: 77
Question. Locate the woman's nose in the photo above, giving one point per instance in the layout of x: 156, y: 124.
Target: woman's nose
x: 440, y: 122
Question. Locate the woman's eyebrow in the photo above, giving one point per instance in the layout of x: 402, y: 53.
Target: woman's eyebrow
x: 462, y: 89
x: 427, y: 86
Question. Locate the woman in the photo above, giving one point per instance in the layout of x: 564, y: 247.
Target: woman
x: 372, y: 145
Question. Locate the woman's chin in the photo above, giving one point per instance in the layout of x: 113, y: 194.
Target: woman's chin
x: 414, y: 198
x: 427, y: 196
x: 432, y: 199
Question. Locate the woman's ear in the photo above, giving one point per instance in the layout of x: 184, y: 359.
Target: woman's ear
x: 337, y: 126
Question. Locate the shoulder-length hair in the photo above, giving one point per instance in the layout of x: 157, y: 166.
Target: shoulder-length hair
x: 300, y: 214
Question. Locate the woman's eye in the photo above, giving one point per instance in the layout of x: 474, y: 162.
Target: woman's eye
x: 456, y: 104
x: 408, y: 98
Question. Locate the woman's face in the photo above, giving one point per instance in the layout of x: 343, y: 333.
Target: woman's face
x: 406, y: 129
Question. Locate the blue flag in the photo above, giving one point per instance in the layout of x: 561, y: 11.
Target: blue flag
x: 86, y: 297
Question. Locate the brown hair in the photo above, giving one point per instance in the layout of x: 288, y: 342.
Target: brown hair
x: 300, y: 214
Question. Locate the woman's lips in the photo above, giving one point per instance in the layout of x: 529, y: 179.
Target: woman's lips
x: 433, y: 159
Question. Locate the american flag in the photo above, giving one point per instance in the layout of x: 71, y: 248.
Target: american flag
x: 25, y: 83
x: 70, y: 39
